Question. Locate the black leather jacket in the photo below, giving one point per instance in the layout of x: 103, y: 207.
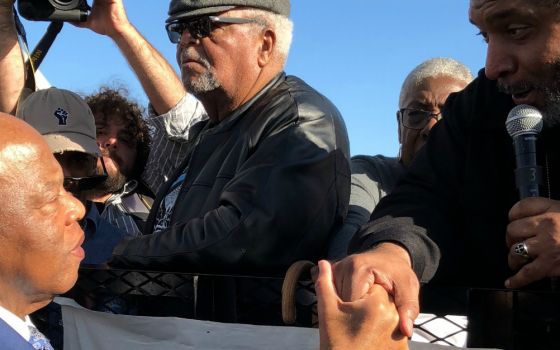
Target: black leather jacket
x: 264, y: 188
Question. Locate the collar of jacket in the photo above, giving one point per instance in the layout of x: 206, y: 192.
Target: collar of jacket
x: 230, y: 120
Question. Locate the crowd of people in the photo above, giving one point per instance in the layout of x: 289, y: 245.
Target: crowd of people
x: 240, y: 168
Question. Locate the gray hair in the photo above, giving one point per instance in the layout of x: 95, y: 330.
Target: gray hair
x: 281, y: 25
x: 432, y: 68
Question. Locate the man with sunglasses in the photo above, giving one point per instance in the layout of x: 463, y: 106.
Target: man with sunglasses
x: 68, y: 127
x: 422, y: 95
x: 266, y: 178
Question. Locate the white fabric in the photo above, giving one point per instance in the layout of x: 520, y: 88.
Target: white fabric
x: 85, y: 330
x: 18, y: 325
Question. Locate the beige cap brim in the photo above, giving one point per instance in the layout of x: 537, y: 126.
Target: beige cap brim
x: 68, y: 142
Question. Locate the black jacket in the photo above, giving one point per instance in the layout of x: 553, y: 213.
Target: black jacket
x: 459, y: 191
x: 265, y: 187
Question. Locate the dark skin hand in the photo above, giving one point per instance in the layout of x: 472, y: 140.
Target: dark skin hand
x: 535, y: 221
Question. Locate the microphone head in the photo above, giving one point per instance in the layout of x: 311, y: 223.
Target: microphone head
x: 523, y: 120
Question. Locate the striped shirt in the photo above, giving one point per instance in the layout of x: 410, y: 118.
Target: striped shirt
x: 170, y: 133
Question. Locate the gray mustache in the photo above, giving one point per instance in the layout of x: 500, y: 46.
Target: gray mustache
x: 195, y: 56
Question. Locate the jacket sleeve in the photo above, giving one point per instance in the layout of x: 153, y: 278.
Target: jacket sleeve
x: 425, y: 206
x: 279, y: 206
x: 365, y: 192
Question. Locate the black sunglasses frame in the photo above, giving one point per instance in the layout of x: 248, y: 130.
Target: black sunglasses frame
x: 73, y: 184
x: 200, y: 27
x: 429, y: 115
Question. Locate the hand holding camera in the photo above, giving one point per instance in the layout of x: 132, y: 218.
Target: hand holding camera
x: 107, y: 17
x: 54, y: 10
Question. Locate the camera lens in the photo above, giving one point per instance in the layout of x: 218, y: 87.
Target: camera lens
x: 65, y: 4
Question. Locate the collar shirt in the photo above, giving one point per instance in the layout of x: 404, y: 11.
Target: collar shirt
x: 18, y: 325
x: 121, y: 208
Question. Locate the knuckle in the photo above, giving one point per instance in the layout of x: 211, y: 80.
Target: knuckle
x: 550, y: 223
x: 528, y: 271
x: 356, y: 263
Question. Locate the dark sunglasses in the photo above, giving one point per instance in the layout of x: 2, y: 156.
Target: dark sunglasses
x: 78, y: 184
x: 200, y: 27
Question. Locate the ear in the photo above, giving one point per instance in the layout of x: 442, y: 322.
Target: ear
x: 399, y: 126
x: 266, y: 49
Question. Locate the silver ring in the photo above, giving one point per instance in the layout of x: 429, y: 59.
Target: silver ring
x: 521, y: 249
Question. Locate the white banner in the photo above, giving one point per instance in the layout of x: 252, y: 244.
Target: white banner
x: 91, y: 330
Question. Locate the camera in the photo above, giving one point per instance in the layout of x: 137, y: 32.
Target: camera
x: 54, y: 10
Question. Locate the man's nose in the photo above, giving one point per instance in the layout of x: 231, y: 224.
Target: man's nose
x: 76, y: 210
x: 434, y: 118
x: 500, y: 61
x: 187, y: 38
x: 106, y: 142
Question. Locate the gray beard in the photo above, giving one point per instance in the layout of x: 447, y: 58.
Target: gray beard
x: 206, y: 82
x: 551, y: 110
x: 551, y: 91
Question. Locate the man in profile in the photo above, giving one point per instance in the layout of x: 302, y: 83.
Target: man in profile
x: 266, y: 177
x: 40, y: 237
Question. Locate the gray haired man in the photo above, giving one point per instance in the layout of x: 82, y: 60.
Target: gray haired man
x: 423, y: 93
x: 266, y: 179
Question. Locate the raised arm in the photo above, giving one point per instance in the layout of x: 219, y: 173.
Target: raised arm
x: 11, y: 60
x: 159, y: 81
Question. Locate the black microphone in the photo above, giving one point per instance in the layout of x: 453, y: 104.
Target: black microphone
x: 523, y: 124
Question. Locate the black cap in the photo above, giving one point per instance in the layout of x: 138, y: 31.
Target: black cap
x: 181, y: 9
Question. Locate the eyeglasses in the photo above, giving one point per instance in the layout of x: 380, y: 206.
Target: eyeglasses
x: 417, y: 119
x: 200, y: 27
x: 78, y: 184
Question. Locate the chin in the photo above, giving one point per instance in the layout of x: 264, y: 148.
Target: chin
x: 67, y: 284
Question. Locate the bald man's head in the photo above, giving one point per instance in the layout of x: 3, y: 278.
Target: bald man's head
x: 21, y: 147
x: 38, y: 221
x: 18, y: 141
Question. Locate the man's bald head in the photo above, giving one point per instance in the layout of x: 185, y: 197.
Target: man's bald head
x: 21, y: 147
x: 16, y: 131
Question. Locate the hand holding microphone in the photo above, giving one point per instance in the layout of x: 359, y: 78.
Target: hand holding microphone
x: 533, y: 235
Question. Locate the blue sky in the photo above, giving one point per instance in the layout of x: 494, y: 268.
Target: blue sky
x: 355, y: 52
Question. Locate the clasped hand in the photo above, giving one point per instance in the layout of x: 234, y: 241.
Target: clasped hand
x: 536, y: 222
